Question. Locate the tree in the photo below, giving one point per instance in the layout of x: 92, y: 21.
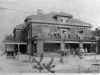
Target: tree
x: 93, y: 47
x: 98, y: 46
x: 41, y: 66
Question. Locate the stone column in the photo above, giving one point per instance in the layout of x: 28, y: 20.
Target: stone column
x: 39, y: 47
x: 81, y: 44
x: 62, y: 46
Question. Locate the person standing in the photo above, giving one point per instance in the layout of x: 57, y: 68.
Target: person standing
x: 65, y: 51
x: 62, y: 55
x: 62, y: 52
x: 82, y: 51
x: 86, y: 51
x: 73, y: 52
x: 68, y: 51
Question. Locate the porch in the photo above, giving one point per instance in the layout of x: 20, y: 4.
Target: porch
x: 54, y: 47
x: 16, y: 47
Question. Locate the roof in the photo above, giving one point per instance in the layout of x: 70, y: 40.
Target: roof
x: 64, y: 14
x: 73, y: 20
x: 45, y: 17
x: 21, y: 26
x: 52, y: 17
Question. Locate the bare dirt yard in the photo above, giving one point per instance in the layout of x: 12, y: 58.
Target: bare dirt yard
x: 71, y: 64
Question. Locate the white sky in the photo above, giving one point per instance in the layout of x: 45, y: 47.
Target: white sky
x: 85, y: 10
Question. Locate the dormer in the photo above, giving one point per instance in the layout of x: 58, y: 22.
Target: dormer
x: 63, y: 19
x: 61, y: 16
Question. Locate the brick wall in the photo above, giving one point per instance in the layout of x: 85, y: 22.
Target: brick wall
x: 37, y: 29
x: 29, y: 47
x: 73, y: 32
x: 86, y: 32
x: 19, y: 35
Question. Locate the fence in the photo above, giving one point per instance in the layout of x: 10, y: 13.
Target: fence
x: 93, y: 69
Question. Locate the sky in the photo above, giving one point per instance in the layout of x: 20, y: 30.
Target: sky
x: 85, y: 10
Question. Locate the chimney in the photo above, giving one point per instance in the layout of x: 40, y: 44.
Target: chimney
x: 39, y: 12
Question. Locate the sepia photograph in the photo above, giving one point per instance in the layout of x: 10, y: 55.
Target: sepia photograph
x: 50, y: 36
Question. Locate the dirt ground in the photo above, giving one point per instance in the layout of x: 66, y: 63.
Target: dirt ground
x: 24, y: 65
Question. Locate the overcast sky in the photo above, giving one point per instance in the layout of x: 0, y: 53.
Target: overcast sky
x: 85, y: 10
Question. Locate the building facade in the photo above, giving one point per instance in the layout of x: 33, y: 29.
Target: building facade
x: 51, y: 33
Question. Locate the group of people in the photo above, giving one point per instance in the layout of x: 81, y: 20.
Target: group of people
x: 67, y: 52
x: 72, y: 51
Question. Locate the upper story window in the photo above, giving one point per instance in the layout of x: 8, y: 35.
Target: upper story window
x: 80, y: 34
x: 81, y: 31
x: 46, y: 32
x: 63, y: 19
x: 65, y: 33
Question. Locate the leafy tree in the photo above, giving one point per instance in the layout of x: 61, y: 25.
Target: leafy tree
x: 98, y: 46
x: 93, y: 47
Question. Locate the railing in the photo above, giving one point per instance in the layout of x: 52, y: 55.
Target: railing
x: 74, y: 38
x: 58, y: 37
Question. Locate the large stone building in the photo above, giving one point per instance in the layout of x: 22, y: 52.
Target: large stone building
x: 52, y: 32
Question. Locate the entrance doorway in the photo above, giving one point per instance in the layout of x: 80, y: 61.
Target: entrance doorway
x: 23, y: 49
x: 16, y: 48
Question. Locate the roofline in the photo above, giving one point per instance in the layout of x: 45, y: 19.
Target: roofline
x: 65, y: 16
x: 57, y: 23
x: 68, y: 40
x: 27, y: 25
x: 17, y: 29
x: 25, y: 19
x: 14, y: 30
x: 15, y: 42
